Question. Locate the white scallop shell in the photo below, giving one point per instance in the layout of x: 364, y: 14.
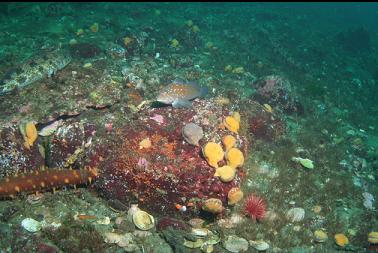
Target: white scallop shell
x: 31, y: 225
x: 295, y: 214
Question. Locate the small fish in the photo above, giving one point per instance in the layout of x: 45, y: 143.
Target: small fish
x: 42, y: 65
x: 179, y: 93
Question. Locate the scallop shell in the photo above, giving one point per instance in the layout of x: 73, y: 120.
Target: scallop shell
x: 143, y: 220
x: 320, y: 236
x: 235, y: 244
x: 202, y: 232
x: 193, y: 244
x: 373, y: 237
x: 213, y: 205
x: 31, y: 225
x: 234, y: 195
x: 259, y: 245
x: 295, y: 214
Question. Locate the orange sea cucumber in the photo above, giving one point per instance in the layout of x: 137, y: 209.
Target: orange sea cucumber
x: 44, y: 179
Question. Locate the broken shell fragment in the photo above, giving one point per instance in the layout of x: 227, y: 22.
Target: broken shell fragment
x: 193, y: 244
x: 143, y: 220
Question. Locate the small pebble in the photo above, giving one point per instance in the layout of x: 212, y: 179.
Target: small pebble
x: 192, y: 133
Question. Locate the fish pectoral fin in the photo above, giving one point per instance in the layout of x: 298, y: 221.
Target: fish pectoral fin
x: 181, y: 103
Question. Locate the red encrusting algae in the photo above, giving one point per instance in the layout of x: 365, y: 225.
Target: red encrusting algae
x: 255, y: 207
x: 45, y: 179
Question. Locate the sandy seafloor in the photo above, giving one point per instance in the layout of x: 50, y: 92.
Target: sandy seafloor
x: 324, y: 62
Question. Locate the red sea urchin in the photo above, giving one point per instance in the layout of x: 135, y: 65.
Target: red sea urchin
x: 255, y: 207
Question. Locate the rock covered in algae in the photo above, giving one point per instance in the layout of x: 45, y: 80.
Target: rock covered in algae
x: 14, y: 156
x: 177, y: 173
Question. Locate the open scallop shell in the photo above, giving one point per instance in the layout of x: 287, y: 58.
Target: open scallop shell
x: 143, y: 220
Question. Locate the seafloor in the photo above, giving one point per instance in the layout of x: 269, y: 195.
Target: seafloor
x: 302, y: 77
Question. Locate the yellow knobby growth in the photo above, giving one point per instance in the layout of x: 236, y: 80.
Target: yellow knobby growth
x: 341, y: 240
x: 31, y: 134
x: 225, y: 173
x: 235, y: 158
x: 213, y: 153
x: 228, y: 141
x: 231, y: 124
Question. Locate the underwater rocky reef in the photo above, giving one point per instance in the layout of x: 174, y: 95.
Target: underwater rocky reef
x: 188, y: 127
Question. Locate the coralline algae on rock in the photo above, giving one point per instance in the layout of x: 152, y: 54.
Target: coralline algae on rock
x: 177, y: 173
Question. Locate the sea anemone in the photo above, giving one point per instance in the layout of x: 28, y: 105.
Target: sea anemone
x: 255, y: 207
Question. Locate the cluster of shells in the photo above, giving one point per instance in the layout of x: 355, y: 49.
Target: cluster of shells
x: 237, y: 244
x: 203, y: 238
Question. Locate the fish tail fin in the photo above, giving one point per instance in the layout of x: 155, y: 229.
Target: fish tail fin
x: 181, y: 103
x: 204, y: 91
